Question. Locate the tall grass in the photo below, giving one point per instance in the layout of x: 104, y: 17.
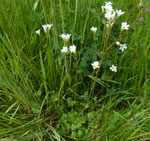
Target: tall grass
x: 45, y: 95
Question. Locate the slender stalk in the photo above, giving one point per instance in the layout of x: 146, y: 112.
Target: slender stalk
x: 118, y: 47
x: 100, y: 63
x: 75, y: 16
x: 83, y: 33
x: 50, y: 62
x: 76, y: 77
x: 44, y: 9
x: 62, y: 16
x: 45, y: 85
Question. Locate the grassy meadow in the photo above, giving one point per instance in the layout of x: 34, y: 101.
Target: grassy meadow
x: 47, y: 95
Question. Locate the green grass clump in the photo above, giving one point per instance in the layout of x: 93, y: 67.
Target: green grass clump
x: 46, y: 95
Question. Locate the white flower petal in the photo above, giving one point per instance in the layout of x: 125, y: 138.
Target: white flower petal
x: 119, y: 12
x: 72, y: 49
x: 124, y: 26
x: 94, y: 29
x: 95, y: 65
x: 65, y: 37
x: 113, y: 68
x: 47, y: 27
x: 37, y: 32
x: 64, y: 50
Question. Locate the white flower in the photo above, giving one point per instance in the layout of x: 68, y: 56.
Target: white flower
x: 72, y: 49
x: 37, y: 32
x: 117, y: 43
x: 47, y: 27
x: 108, y: 3
x: 65, y: 50
x: 110, y: 16
x: 95, y: 65
x: 113, y: 68
x: 44, y: 27
x: 124, y: 26
x: 107, y: 7
x: 119, y: 13
x: 65, y: 37
x: 94, y: 29
x: 113, y: 15
x: 103, y: 9
x: 123, y: 47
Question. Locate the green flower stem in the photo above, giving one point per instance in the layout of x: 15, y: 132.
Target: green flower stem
x: 66, y: 43
x: 50, y: 62
x: 66, y: 63
x: 104, y: 38
x: 62, y: 15
x: 70, y: 61
x: 94, y: 39
x: 100, y: 63
x: 76, y: 59
x: 75, y: 16
x: 118, y: 46
x: 94, y: 36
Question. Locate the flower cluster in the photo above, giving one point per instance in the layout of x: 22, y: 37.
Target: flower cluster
x: 65, y: 37
x: 110, y: 14
x: 141, y: 19
x: 46, y: 28
x: 72, y: 49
